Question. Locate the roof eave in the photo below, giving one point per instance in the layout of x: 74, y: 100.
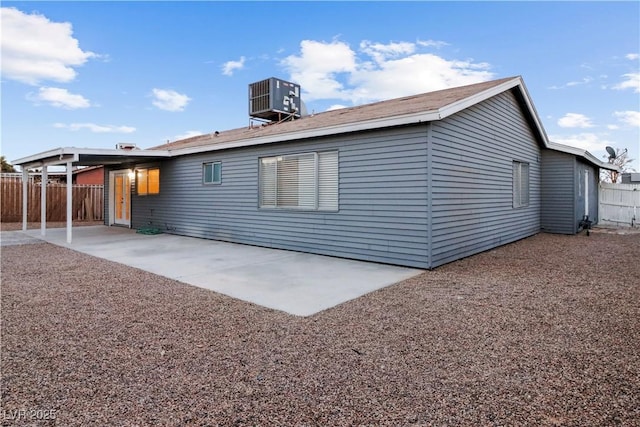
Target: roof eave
x: 62, y: 155
x: 582, y: 153
x: 57, y: 156
x: 421, y: 117
x: 405, y: 119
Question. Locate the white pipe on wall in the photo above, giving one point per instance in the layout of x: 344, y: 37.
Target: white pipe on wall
x: 43, y: 201
x: 69, y: 201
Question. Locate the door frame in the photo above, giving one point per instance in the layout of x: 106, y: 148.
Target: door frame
x: 586, y: 193
x: 112, y: 192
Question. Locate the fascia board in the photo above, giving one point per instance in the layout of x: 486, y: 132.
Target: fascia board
x: 313, y: 133
x: 582, y: 153
x: 35, y: 158
x: 465, y: 103
x: 533, y: 111
x: 58, y: 158
x: 62, y: 155
x: 123, y: 153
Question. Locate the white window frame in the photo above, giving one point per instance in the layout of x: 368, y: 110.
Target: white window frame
x: 316, y: 184
x: 145, y: 172
x: 521, y: 187
x: 213, y: 168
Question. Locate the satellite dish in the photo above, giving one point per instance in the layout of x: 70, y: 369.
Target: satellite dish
x: 612, y: 152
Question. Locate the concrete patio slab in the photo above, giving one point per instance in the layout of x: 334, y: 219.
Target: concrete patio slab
x: 9, y: 238
x: 297, y: 283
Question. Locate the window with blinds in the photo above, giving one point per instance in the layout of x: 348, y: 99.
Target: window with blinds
x: 520, y: 184
x: 300, y: 181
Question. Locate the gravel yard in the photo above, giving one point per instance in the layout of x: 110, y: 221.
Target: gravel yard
x: 541, y: 332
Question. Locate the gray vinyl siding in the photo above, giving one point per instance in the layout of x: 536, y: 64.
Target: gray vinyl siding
x: 563, y: 192
x: 558, y: 212
x: 592, y: 190
x: 419, y: 196
x: 382, y: 212
x: 472, y: 189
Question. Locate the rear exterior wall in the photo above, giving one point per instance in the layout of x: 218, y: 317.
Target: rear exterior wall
x: 559, y: 174
x: 587, y: 181
x: 382, y: 212
x: 566, y: 182
x: 471, y: 179
x: 418, y: 196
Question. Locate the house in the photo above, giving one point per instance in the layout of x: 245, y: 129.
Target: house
x: 418, y: 181
x: 91, y: 175
x: 570, y: 187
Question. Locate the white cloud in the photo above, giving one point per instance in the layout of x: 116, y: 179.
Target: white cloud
x: 586, y: 141
x: 631, y: 81
x: 230, y: 66
x: 188, y: 134
x: 432, y: 43
x: 333, y: 70
x: 575, y: 120
x: 61, y: 98
x: 383, y: 52
x: 35, y: 49
x: 336, y: 107
x: 613, y: 127
x: 632, y: 56
x: 317, y: 66
x: 170, y: 100
x: 95, y: 128
x: 631, y: 118
x: 584, y: 81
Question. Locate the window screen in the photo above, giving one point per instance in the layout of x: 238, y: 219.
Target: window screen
x: 520, y: 184
x: 212, y: 173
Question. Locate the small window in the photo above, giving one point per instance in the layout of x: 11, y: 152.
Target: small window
x: 520, y: 184
x: 300, y: 181
x: 148, y: 181
x: 212, y: 173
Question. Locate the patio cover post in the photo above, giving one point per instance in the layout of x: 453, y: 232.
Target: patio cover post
x: 69, y: 201
x: 43, y: 201
x: 25, y: 182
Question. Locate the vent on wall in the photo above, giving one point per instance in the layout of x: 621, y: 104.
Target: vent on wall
x: 274, y: 99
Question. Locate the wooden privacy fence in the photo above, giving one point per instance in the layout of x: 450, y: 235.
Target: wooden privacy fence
x: 88, y: 200
x: 619, y: 204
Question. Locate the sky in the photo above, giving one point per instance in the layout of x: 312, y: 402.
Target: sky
x: 95, y: 74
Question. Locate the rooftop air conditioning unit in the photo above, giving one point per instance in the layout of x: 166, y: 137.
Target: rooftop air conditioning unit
x: 274, y: 99
x: 125, y: 146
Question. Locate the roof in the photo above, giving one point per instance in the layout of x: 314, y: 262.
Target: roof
x: 423, y: 107
x: 584, y: 154
x: 407, y: 110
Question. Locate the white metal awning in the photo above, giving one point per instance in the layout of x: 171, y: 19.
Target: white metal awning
x: 69, y: 157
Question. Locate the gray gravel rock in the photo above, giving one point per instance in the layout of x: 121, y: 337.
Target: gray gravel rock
x: 541, y: 332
